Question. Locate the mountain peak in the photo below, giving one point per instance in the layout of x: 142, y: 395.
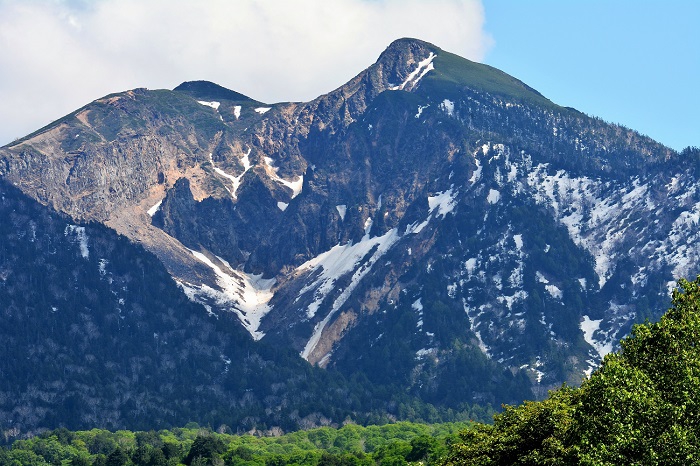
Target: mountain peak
x: 410, y: 43
x: 207, y: 90
x: 413, y: 58
x: 405, y: 61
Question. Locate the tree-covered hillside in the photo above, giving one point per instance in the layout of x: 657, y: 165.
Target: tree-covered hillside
x: 640, y: 407
x: 95, y: 333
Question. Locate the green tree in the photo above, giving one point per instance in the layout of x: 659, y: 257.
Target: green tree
x: 530, y: 434
x: 422, y: 447
x: 206, y: 447
x: 171, y: 450
x: 117, y: 458
x: 79, y: 461
x: 642, y: 406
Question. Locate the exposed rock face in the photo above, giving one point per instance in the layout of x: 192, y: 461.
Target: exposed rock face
x: 429, y: 219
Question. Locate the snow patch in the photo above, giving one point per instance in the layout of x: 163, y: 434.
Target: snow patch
x: 518, y: 241
x: 416, y: 75
x: 102, y: 267
x: 295, y: 186
x: 493, y: 197
x: 237, y: 112
x: 342, y: 209
x: 333, y: 264
x: 214, y: 105
x: 444, y: 202
x: 470, y: 265
x: 324, y: 360
x: 554, y: 291
x: 416, y: 227
x: 590, y: 327
x: 476, y: 175
x: 448, y: 106
x: 263, y: 110
x: 420, y: 110
x: 518, y: 296
x: 368, y: 226
x: 244, y: 294
x: 152, y: 211
x: 417, y: 305
x: 425, y: 352
x: 78, y: 235
x: 282, y: 206
x: 512, y: 173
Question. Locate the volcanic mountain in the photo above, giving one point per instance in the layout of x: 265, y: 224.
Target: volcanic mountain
x: 434, y: 223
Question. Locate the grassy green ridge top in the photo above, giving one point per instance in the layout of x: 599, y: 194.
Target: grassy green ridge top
x: 461, y: 71
x: 456, y: 73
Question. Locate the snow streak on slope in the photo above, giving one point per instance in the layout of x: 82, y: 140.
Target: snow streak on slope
x: 214, y: 105
x: 339, y: 261
x: 156, y: 207
x: 330, y: 266
x: 416, y: 75
x: 246, y: 295
x: 295, y: 186
x: 444, y: 202
x: 235, y: 180
x: 597, y: 214
x: 78, y: 235
x: 334, y: 264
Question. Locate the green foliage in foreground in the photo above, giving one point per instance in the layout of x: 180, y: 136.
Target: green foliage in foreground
x: 352, y: 445
x: 642, y: 406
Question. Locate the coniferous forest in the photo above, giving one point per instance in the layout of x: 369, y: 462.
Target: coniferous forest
x: 639, y: 407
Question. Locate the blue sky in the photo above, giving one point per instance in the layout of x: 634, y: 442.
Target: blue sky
x: 631, y: 62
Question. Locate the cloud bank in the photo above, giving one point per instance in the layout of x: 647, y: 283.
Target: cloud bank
x: 59, y: 55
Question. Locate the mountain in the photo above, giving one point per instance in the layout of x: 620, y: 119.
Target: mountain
x: 434, y: 224
x: 95, y: 333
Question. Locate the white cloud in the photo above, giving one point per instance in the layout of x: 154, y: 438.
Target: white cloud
x: 59, y: 55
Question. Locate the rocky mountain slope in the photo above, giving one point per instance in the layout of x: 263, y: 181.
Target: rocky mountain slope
x: 434, y: 222
x: 94, y: 332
